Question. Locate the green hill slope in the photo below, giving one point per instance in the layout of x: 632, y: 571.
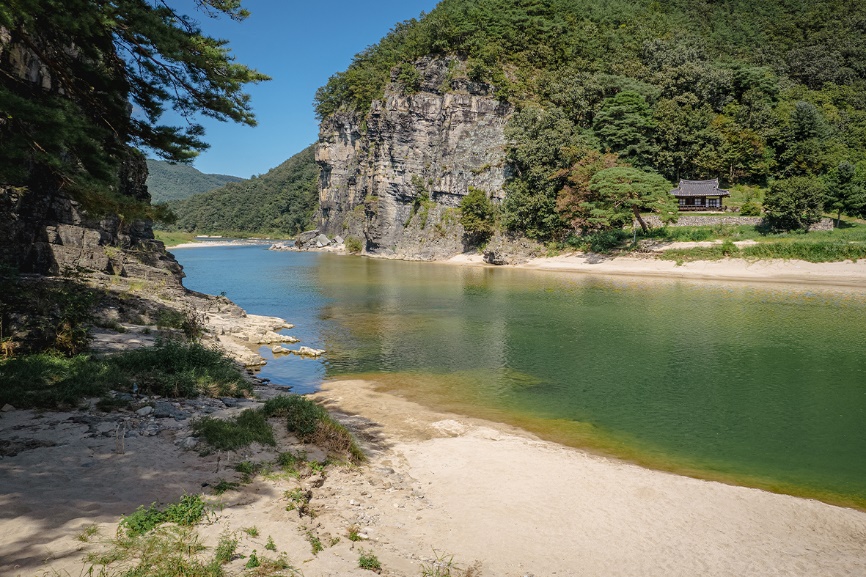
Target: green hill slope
x: 748, y: 92
x: 167, y: 181
x: 280, y: 202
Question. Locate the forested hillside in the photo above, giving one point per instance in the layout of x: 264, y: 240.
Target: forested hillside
x: 166, y: 181
x: 280, y: 202
x: 749, y: 92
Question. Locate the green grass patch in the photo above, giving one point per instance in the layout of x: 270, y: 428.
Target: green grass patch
x: 226, y: 549
x: 316, y: 546
x: 222, y: 486
x: 312, y: 424
x: 796, y: 250
x: 169, y: 369
x: 188, y: 511
x: 171, y: 239
x: 251, y: 426
x: 167, y: 551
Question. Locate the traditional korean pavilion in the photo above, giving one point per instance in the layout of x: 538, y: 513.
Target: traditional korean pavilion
x: 700, y: 195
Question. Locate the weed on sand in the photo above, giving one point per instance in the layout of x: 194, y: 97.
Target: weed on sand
x: 230, y: 434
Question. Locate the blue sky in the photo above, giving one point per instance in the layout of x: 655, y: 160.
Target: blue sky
x: 300, y: 45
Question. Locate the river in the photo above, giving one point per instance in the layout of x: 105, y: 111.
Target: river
x: 756, y: 384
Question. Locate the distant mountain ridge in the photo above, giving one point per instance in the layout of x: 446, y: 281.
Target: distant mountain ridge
x: 166, y: 181
x: 279, y: 202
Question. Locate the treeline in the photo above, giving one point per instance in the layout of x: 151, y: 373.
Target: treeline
x: 748, y: 92
x: 280, y: 202
x: 166, y: 181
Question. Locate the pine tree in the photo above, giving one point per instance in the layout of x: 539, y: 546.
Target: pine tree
x: 71, y: 71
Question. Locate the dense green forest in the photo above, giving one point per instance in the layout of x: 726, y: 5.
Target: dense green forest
x: 749, y: 92
x: 280, y: 202
x: 167, y: 181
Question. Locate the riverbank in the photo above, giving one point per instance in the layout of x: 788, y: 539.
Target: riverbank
x: 215, y: 243
x: 848, y: 274
x: 521, y: 505
x: 435, y: 484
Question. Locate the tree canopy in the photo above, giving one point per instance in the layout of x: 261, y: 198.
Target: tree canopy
x: 280, y: 202
x: 747, y: 92
x: 73, y: 69
x: 621, y: 193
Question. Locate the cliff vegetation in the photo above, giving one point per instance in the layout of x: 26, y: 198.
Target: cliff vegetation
x: 279, y: 202
x: 167, y: 181
x: 751, y: 93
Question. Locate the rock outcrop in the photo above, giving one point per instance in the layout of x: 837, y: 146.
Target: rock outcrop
x: 395, y: 177
x: 46, y: 231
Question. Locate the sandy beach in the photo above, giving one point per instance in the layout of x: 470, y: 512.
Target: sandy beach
x: 216, y: 243
x: 848, y: 273
x: 482, y: 492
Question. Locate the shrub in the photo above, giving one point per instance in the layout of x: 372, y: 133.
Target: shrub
x: 231, y: 434
x: 477, y: 215
x: 750, y: 208
x: 369, y: 561
x: 188, y: 511
x: 353, y: 245
x: 794, y: 203
x: 312, y: 424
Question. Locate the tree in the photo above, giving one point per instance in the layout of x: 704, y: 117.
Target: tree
x: 794, y: 203
x: 72, y: 68
x: 574, y: 200
x: 621, y: 193
x: 542, y: 143
x: 625, y: 126
x: 846, y: 192
x: 477, y: 215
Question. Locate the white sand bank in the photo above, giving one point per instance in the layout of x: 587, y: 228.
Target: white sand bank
x: 472, y: 489
x: 521, y: 506
x: 780, y: 271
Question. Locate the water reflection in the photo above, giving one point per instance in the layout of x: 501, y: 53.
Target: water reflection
x: 747, y: 380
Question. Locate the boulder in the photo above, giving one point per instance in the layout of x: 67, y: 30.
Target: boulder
x: 144, y: 411
x: 339, y: 239
x: 307, y: 236
x: 164, y: 410
x: 7, y: 407
x: 322, y: 240
x: 492, y: 257
x: 310, y: 352
x: 188, y: 443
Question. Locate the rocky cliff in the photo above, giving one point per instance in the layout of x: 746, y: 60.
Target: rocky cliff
x: 395, y: 177
x: 45, y: 230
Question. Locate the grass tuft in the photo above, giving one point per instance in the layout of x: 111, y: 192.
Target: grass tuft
x: 369, y: 562
x: 312, y: 424
x: 226, y: 549
x: 188, y: 511
x: 169, y: 369
x: 231, y: 434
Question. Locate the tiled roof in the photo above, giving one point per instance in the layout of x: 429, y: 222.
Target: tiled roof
x: 700, y: 188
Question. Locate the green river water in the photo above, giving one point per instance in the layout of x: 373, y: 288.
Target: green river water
x: 758, y: 384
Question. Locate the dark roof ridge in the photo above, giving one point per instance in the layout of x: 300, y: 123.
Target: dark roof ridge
x: 699, y: 188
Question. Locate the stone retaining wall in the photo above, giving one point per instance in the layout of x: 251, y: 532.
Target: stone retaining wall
x: 695, y: 220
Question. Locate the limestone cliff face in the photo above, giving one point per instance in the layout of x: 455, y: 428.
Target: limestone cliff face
x: 397, y: 175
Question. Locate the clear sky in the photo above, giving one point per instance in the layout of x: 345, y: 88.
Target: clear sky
x: 300, y: 45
